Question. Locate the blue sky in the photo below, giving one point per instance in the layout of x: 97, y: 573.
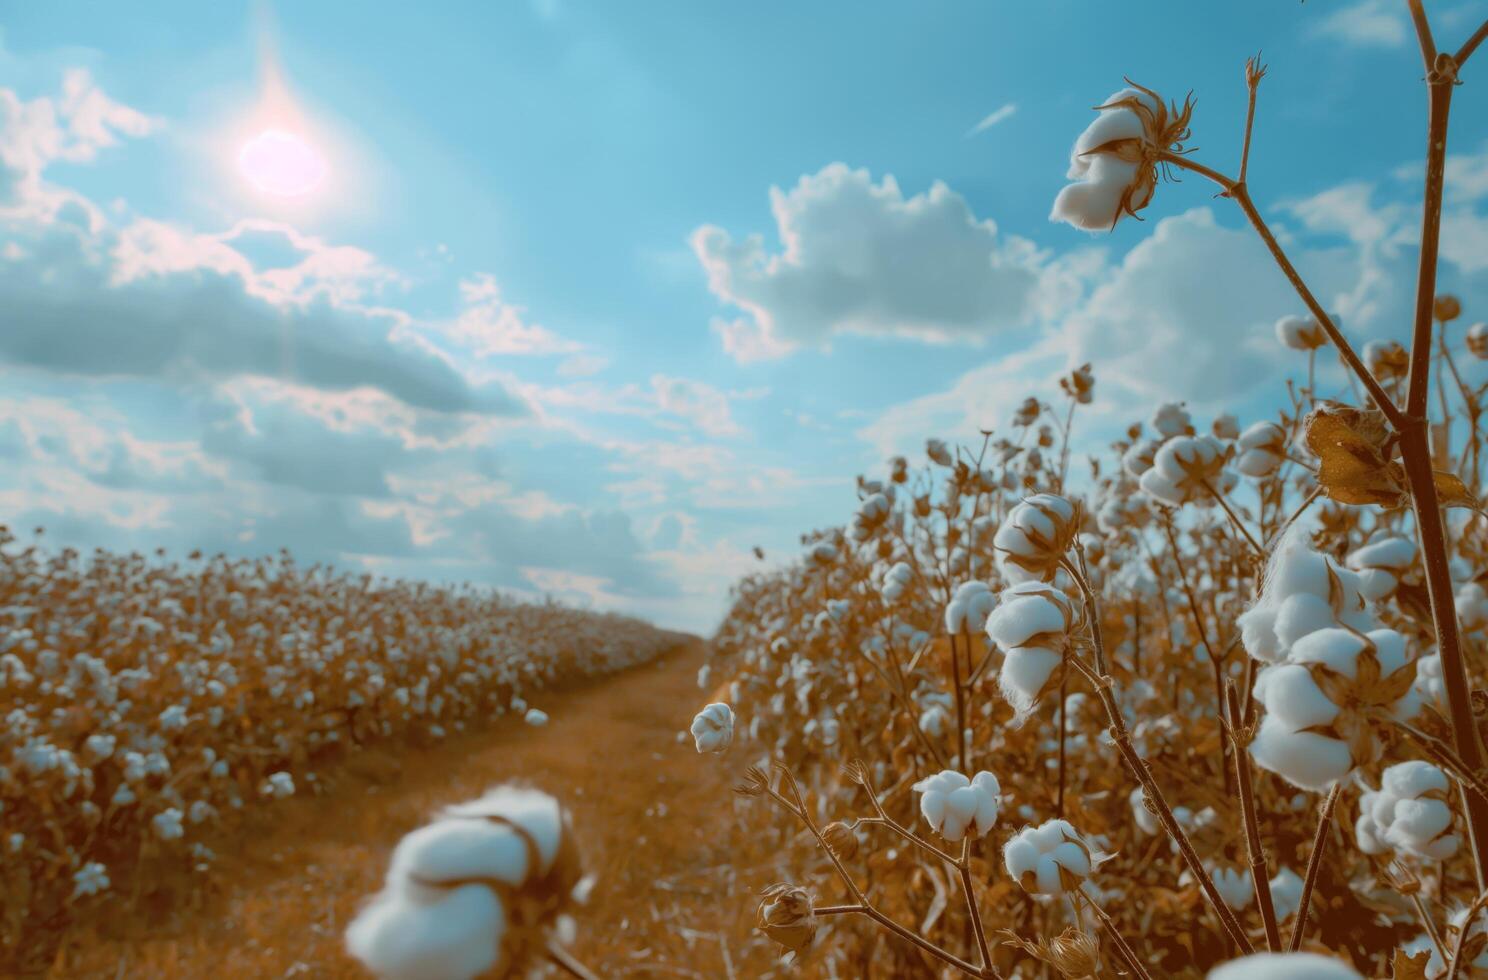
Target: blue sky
x: 522, y: 332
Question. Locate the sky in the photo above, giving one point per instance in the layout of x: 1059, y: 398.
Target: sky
x: 589, y: 299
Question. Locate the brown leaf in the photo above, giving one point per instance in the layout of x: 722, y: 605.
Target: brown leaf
x: 1410, y: 967
x: 1452, y: 492
x: 1354, y: 469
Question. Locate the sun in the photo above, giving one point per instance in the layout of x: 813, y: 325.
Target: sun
x: 282, y: 163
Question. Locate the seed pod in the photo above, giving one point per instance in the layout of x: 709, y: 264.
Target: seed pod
x: 842, y: 840
x: 1446, y: 308
x: 786, y: 916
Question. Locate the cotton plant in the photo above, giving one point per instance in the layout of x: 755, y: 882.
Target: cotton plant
x: 1261, y: 449
x: 1189, y: 469
x: 485, y: 889
x: 1031, y: 625
x: 1035, y: 538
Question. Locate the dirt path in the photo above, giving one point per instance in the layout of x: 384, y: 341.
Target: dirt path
x: 654, y: 817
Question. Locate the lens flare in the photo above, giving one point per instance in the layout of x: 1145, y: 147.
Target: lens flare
x: 282, y: 163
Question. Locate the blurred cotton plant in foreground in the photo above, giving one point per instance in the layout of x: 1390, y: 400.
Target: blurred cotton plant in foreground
x: 1193, y: 665
x: 484, y: 890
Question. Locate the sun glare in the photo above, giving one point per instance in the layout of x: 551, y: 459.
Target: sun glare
x: 282, y: 163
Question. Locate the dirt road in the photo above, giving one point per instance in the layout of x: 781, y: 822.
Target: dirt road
x: 656, y: 821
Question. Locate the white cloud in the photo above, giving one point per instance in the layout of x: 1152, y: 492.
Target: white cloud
x: 1000, y: 114
x: 489, y: 326
x: 666, y: 398
x: 860, y: 257
x: 1369, y: 23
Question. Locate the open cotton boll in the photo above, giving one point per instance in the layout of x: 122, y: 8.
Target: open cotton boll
x: 969, y: 608
x: 896, y: 581
x: 1284, y: 966
x: 1301, y: 332
x: 1286, y: 893
x: 1171, y: 420
x: 450, y: 935
x: 1476, y: 337
x: 1304, y: 592
x: 1038, y: 533
x: 1380, y: 564
x: 1145, y: 819
x: 1030, y: 613
x: 713, y: 728
x: 1262, y: 449
x: 1226, y: 426
x: 441, y: 914
x: 535, y: 717
x: 1234, y: 885
x: 1139, y: 457
x: 952, y: 804
x: 872, y: 514
x: 1320, y: 704
x: 1410, y: 812
x: 1101, y: 180
x: 1049, y: 859
x: 1472, y: 607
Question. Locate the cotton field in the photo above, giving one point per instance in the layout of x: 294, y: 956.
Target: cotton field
x: 148, y: 702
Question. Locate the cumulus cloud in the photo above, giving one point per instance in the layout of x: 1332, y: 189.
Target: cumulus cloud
x: 1369, y: 23
x: 860, y: 257
x: 489, y: 326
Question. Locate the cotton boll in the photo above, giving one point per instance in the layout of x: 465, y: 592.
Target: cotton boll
x: 1145, y: 819
x: 1305, y: 759
x: 1262, y: 449
x: 969, y: 608
x: 1472, y: 607
x: 1286, y: 893
x: 896, y: 582
x: 1476, y: 337
x: 452, y: 935
x: 1410, y: 812
x: 1030, y: 612
x: 1171, y: 419
x: 1234, y: 885
x: 436, y: 916
x: 1049, y: 859
x: 1105, y: 185
x: 1138, y: 459
x: 713, y: 728
x: 938, y: 453
x: 1301, y: 332
x: 1284, y: 966
x: 535, y: 717
x: 1226, y: 426
x: 1380, y: 565
x: 1037, y: 534
x: 952, y: 804
x: 1026, y: 675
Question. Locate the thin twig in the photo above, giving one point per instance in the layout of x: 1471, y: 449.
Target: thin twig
x: 1467, y: 924
x: 1423, y: 33
x: 1259, y: 874
x: 1314, y: 865
x: 1471, y: 45
x: 568, y: 963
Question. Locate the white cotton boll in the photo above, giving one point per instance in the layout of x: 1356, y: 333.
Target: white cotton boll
x: 969, y: 608
x: 1025, y: 676
x: 896, y: 582
x: 713, y: 728
x: 1101, y: 180
x: 1409, y: 813
x: 938, y: 452
x: 1258, y: 634
x: 935, y: 720
x: 1145, y: 819
x: 1172, y: 419
x: 1234, y: 885
x: 1305, y: 759
x: 1138, y: 459
x: 1284, y: 966
x: 1301, y: 332
x: 1380, y: 564
x: 952, y: 804
x: 1156, y: 485
x: 453, y: 935
x: 1292, y: 696
x: 535, y: 717
x: 1030, y: 612
x: 1429, y: 685
x: 1286, y: 893
x: 1038, y: 533
x: 1049, y: 859
x: 1226, y: 426
x: 1472, y: 607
